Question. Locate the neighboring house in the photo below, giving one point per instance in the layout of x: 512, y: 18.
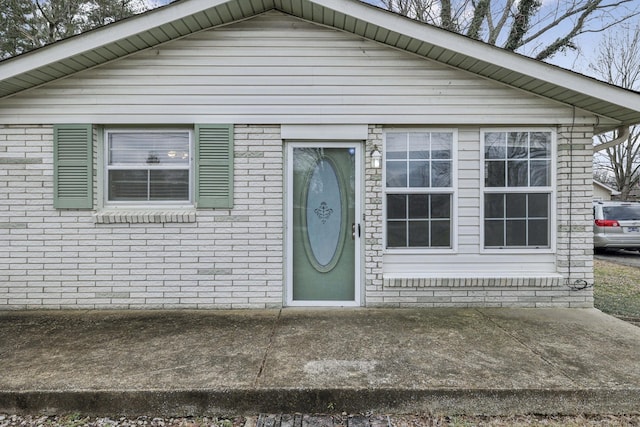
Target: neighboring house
x: 634, y: 195
x: 223, y: 154
x: 603, y: 192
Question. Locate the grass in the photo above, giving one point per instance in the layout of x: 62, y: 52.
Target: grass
x: 617, y: 289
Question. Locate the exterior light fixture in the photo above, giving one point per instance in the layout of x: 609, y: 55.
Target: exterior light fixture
x: 376, y: 157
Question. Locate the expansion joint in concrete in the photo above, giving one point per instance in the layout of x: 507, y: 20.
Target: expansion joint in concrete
x: 268, y: 347
x: 524, y: 344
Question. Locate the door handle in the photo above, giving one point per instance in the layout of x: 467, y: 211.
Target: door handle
x: 355, y: 227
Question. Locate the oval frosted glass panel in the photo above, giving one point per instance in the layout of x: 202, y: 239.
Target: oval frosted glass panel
x: 324, y: 212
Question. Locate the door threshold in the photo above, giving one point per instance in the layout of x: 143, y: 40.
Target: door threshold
x: 322, y: 304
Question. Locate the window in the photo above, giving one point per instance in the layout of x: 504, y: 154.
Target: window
x: 419, y: 189
x: 151, y: 166
x: 517, y: 189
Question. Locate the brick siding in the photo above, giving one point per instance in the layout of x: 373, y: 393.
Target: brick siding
x: 235, y: 258
x: 73, y: 259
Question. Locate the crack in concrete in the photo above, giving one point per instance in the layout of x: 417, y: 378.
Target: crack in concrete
x: 267, y: 349
x: 528, y: 347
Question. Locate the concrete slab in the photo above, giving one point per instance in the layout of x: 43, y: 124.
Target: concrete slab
x: 413, y: 348
x: 139, y: 350
x: 472, y: 361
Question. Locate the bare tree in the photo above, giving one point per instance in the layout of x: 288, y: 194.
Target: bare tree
x: 618, y: 62
x: 28, y: 24
x: 525, y: 26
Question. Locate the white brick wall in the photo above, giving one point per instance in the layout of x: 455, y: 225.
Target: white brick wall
x: 374, y: 295
x: 64, y: 259
x: 234, y: 258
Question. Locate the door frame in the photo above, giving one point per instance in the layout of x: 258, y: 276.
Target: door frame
x: 288, y: 261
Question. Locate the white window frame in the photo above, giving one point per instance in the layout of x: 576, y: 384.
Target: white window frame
x: 146, y: 204
x: 550, y: 189
x: 452, y: 191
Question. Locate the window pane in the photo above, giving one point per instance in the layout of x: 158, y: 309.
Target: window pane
x: 516, y: 232
x: 128, y: 185
x: 538, y: 206
x: 441, y: 174
x: 540, y: 145
x: 494, y: 233
x: 494, y: 174
x: 169, y: 185
x: 396, y: 206
x: 495, y: 144
x: 624, y: 213
x: 396, y: 234
x: 516, y: 205
x: 396, y: 174
x: 441, y: 206
x: 518, y: 173
x: 540, y: 173
x: 538, y: 232
x: 149, y: 148
x: 418, y: 145
x: 418, y: 174
x: 441, y: 145
x: 418, y: 233
x: 518, y: 145
x: 396, y: 146
x: 494, y: 205
x: 441, y: 234
x: 418, y: 206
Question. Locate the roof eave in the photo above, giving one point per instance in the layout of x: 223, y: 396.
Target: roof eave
x: 489, y: 55
x: 99, y: 37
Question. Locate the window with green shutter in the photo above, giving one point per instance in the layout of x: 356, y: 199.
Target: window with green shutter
x: 214, y: 166
x: 169, y: 167
x: 73, y: 166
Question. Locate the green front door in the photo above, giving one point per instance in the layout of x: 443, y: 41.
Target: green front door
x: 324, y: 228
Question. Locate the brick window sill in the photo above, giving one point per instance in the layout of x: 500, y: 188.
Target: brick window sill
x: 144, y: 216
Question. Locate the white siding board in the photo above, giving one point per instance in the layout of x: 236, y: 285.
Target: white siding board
x: 278, y: 69
x: 445, y: 264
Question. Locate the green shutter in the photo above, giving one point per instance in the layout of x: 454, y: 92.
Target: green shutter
x: 73, y: 167
x: 214, y: 166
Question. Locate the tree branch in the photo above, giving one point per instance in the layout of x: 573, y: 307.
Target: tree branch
x: 520, y: 26
x: 479, y: 14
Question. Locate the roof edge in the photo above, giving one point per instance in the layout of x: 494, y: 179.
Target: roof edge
x: 485, y: 52
x: 72, y: 46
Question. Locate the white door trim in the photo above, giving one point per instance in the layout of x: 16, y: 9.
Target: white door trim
x: 289, y: 225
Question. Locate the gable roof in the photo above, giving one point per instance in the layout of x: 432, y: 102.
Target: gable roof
x: 185, y: 17
x: 606, y: 188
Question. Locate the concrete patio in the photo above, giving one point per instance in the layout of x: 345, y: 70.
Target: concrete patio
x: 455, y: 361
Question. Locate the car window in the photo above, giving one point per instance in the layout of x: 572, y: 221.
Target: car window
x: 623, y: 213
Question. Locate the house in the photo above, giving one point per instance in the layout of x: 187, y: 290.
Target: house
x: 603, y: 192
x: 260, y: 154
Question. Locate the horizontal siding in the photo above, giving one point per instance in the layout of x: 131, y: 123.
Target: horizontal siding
x: 277, y: 69
x: 478, y: 265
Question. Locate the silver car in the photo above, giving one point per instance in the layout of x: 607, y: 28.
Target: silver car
x: 616, y: 225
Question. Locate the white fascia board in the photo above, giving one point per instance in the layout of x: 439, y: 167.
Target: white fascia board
x: 99, y: 37
x: 485, y: 52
